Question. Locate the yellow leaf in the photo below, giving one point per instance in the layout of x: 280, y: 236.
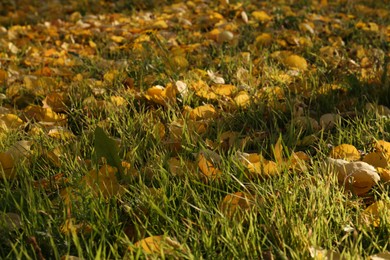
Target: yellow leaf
x: 3, y: 76
x: 110, y: 76
x: 48, y: 115
x: 298, y: 161
x: 61, y: 133
x: 161, y: 24
x: 278, y: 151
x: 242, y: 99
x: 158, y: 245
x: 384, y: 174
x: 264, y: 39
x: 57, y: 101
x: 377, y: 159
x: 203, y: 112
x: 117, y: 39
x: 345, y: 151
x: 234, y: 205
x: 7, y: 166
x: 118, y: 101
x: 207, y: 167
x: 372, y: 214
x: 11, y: 121
x: 224, y: 89
x: 103, y: 181
x: 295, y: 62
x: 382, y: 146
x: 72, y: 228
x: 180, y: 167
x: 159, y: 131
x: 261, y: 16
x: 160, y: 95
x: 180, y: 61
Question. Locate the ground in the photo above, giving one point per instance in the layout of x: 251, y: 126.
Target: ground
x: 194, y: 129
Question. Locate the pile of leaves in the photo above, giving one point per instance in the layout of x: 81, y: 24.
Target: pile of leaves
x: 128, y: 117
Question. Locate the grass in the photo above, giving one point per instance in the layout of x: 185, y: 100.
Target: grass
x: 284, y: 217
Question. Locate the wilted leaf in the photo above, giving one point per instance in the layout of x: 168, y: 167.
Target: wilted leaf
x: 377, y: 159
x: 157, y: 245
x: 384, y: 174
x: 180, y: 167
x: 382, y: 146
x: 7, y: 165
x: 20, y: 150
x: 278, y: 151
x: 372, y: 214
x: 328, y: 121
x: 162, y: 95
x: 261, y: 16
x: 224, y: 89
x: 305, y: 123
x: 242, y: 99
x: 264, y: 39
x: 295, y: 62
x: 345, y: 151
x: 203, y: 112
x: 207, y: 161
x: 359, y: 177
x: 70, y: 227
x: 236, y: 204
x: 103, y: 181
x: 11, y: 121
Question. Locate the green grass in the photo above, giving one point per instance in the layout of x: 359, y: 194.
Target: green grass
x: 289, y: 214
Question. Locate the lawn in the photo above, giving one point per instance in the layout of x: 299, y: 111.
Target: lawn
x: 194, y: 129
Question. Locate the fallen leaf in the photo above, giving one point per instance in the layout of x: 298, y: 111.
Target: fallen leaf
x: 345, y: 151
x: 372, y: 214
x: 234, y: 205
x: 207, y: 161
x: 203, y: 112
x: 103, y: 181
x: 329, y: 120
x: 377, y: 159
x: 261, y: 16
x: 359, y: 177
x: 295, y: 62
x: 157, y: 245
x: 7, y: 165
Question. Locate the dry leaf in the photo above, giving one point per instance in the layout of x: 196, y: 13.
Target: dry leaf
x: 345, y: 151
x: 328, y: 121
x: 234, y: 205
x: 384, y: 174
x: 372, y: 214
x: 7, y: 166
x: 261, y: 16
x: 295, y: 62
x: 377, y: 159
x: 103, y: 181
x: 207, y: 161
x: 203, y: 112
x: 157, y: 245
x: 359, y: 177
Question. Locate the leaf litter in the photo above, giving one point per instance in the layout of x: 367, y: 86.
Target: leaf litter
x: 191, y: 66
